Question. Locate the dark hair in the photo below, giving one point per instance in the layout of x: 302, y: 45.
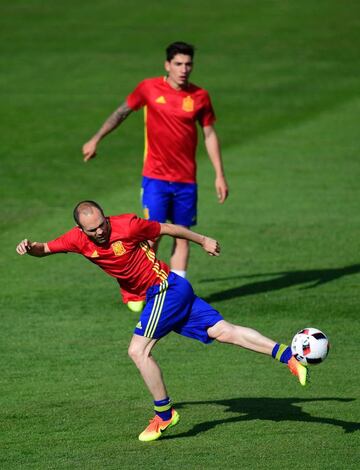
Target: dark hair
x: 179, y: 47
x: 85, y: 203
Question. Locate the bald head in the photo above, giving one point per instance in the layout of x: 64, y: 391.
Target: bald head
x: 86, y: 209
x: 91, y: 219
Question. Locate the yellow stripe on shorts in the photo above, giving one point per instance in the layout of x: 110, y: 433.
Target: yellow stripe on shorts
x: 156, y: 310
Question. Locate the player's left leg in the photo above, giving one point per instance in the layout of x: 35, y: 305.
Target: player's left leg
x: 206, y: 324
x: 180, y: 256
x: 247, y: 338
x: 251, y: 339
x: 183, y: 212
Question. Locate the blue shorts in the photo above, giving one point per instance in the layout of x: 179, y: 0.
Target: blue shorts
x: 173, y: 306
x: 166, y: 200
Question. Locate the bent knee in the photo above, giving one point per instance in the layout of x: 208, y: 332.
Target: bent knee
x: 140, y: 349
x: 136, y: 354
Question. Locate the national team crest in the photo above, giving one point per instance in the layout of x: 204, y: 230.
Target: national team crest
x: 118, y: 248
x: 188, y: 104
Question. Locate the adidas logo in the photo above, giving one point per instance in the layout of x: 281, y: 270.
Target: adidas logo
x: 160, y: 100
x: 95, y: 254
x: 138, y: 326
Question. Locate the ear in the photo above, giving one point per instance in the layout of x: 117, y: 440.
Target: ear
x: 167, y: 66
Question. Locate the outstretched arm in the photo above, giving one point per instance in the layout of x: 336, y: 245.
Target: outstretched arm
x: 210, y: 245
x: 113, y: 121
x: 213, y: 149
x: 33, y: 248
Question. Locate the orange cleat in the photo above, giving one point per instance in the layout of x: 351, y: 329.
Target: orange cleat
x: 157, y: 426
x: 299, y: 370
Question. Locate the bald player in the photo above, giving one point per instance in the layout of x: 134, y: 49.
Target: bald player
x: 119, y: 246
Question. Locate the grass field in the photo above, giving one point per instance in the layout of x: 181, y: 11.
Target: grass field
x: 284, y: 78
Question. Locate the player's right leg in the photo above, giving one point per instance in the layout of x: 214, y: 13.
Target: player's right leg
x: 165, y: 415
x: 251, y: 339
x: 156, y: 199
x: 140, y: 352
x: 166, y: 305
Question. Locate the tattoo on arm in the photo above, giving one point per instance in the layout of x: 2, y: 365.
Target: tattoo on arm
x: 116, y: 118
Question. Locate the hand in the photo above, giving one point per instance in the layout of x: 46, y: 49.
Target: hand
x: 24, y: 247
x: 211, y: 246
x: 222, y: 189
x: 89, y: 150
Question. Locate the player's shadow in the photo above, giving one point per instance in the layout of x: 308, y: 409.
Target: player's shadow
x: 280, y: 280
x: 266, y: 409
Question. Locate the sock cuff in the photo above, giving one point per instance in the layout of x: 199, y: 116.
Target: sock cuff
x: 275, y: 350
x: 179, y: 272
x: 281, y: 352
x: 163, y: 405
x: 282, y: 349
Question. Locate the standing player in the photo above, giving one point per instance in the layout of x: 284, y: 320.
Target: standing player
x: 172, y: 107
x: 119, y: 246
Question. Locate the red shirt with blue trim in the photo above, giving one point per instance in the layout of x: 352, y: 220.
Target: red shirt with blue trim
x: 127, y: 256
x: 170, y: 127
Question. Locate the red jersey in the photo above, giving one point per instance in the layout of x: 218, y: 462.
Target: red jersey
x: 127, y: 256
x: 170, y: 127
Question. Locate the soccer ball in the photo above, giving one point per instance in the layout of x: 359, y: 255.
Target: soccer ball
x: 310, y: 346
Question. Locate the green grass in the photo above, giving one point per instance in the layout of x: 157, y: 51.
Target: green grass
x: 284, y: 80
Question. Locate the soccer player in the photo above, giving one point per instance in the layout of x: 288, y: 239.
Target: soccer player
x: 119, y: 246
x: 172, y: 107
